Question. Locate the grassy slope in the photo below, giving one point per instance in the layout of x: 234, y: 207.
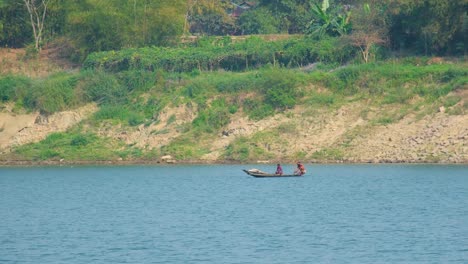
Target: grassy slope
x: 353, y: 113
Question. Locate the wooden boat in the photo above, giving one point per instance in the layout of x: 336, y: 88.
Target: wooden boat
x: 261, y: 174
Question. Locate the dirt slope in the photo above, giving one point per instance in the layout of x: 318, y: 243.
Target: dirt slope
x: 438, y: 137
x: 19, y: 129
x: 348, y: 134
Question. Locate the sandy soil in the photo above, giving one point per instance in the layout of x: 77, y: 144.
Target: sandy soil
x: 435, y: 137
x: 27, y: 128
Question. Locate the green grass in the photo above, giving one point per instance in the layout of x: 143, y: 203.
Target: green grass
x: 70, y: 146
x: 332, y: 154
x: 137, y: 95
x: 185, y: 147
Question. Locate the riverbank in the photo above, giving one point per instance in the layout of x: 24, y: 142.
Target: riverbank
x: 25, y: 163
x: 396, y: 111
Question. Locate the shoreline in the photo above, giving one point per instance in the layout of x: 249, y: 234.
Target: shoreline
x: 53, y: 163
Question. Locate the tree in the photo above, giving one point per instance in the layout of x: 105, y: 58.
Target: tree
x: 429, y: 26
x: 37, y: 10
x: 156, y: 22
x: 14, y: 31
x: 96, y: 25
x: 369, y: 29
x: 208, y: 17
x: 258, y: 21
x: 292, y: 16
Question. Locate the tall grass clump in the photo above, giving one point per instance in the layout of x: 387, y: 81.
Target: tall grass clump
x: 184, y: 148
x: 102, y: 88
x: 199, y: 90
x: 73, y: 145
x: 394, y: 81
x: 13, y: 88
x: 214, y: 116
x: 120, y: 114
x: 229, y: 82
x: 137, y: 80
x: 55, y: 93
x: 248, y: 149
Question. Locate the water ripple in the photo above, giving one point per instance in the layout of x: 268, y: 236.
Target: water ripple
x: 217, y: 214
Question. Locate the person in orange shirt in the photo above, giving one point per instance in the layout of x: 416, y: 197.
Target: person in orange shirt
x: 300, y: 169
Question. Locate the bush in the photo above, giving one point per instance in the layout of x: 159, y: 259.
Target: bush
x: 13, y: 88
x: 102, y: 88
x: 331, y: 50
x: 53, y: 94
x: 245, y: 149
x: 135, y: 119
x: 119, y: 113
x: 280, y: 88
x: 79, y: 140
x: 258, y: 21
x: 213, y: 117
x: 238, y: 150
x: 183, y: 148
x: 72, y: 145
x: 257, y: 110
x: 137, y: 80
x: 328, y: 154
x: 254, y: 52
x: 199, y: 90
x: 231, y: 82
x: 322, y: 99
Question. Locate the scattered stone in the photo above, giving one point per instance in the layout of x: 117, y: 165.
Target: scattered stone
x: 168, y: 159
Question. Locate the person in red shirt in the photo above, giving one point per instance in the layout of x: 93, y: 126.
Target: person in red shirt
x: 279, y: 170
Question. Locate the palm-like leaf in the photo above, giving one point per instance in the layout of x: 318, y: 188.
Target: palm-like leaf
x: 324, y: 23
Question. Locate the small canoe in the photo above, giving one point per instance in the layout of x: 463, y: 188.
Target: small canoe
x: 261, y: 174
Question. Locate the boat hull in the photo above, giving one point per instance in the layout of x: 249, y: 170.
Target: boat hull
x: 260, y: 174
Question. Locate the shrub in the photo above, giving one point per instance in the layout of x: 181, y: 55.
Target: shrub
x: 138, y: 79
x: 53, y: 94
x: 13, y: 87
x: 238, y: 150
x: 280, y: 88
x: 79, y: 140
x: 111, y: 112
x: 208, y: 55
x: 121, y: 114
x: 72, y: 145
x: 234, y: 82
x: 102, y: 88
x: 135, y: 119
x: 245, y: 149
x: 184, y: 148
x: 213, y: 117
x: 322, y: 99
x: 258, y: 21
x: 331, y: 50
x: 328, y: 154
x: 256, y: 110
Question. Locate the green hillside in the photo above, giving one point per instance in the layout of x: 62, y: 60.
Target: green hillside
x: 135, y: 88
x: 228, y: 81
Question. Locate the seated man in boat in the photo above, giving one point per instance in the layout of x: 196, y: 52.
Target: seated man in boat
x: 279, y: 170
x: 300, y: 169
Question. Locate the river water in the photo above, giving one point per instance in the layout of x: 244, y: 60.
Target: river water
x: 218, y: 214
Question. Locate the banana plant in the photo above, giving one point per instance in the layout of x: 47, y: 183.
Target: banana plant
x: 327, y: 23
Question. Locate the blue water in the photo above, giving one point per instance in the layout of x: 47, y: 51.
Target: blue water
x: 218, y: 214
